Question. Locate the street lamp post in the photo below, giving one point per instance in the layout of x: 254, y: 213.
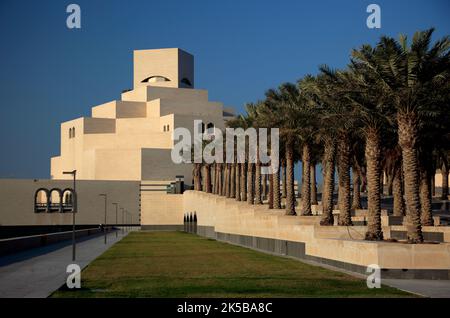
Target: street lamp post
x: 123, y: 211
x: 104, y: 227
x: 117, y: 205
x: 74, y: 210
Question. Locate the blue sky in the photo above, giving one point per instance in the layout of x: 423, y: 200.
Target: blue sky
x: 50, y: 74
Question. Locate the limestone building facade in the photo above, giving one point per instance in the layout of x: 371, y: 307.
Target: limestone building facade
x: 132, y: 138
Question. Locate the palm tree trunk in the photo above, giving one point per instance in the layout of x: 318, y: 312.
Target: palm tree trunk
x: 276, y: 190
x: 328, y: 163
x: 356, y: 204
x: 270, y: 199
x: 290, y: 192
x: 306, y: 180
x: 264, y: 187
x: 373, y: 159
x: 363, y: 180
x: 397, y: 191
x: 221, y: 179
x: 250, y: 184
x: 313, y: 185
x: 197, y: 177
x: 238, y: 182
x: 425, y: 198
x: 232, y: 182
x: 283, y: 179
x: 243, y: 181
x: 227, y: 180
x: 258, y: 183
x: 444, y: 172
x: 407, y: 135
x: 344, y: 180
x: 208, y: 178
x: 215, y: 188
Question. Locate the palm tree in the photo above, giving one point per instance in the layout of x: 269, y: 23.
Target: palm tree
x: 358, y: 162
x: 334, y: 95
x: 374, y: 112
x: 408, y: 74
x: 317, y: 90
x: 268, y: 117
x: 284, y: 102
x: 328, y: 164
x: 241, y: 165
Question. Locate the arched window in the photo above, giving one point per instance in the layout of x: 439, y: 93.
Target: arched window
x: 73, y: 132
x: 164, y: 127
x: 68, y: 200
x: 55, y: 202
x: 70, y: 133
x: 155, y: 79
x: 41, y: 200
x: 168, y: 129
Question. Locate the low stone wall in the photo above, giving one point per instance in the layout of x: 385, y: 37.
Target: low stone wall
x: 270, y: 230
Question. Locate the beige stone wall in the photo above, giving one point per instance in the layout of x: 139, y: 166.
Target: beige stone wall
x: 17, y: 201
x: 120, y: 109
x: 229, y: 216
x: 173, y: 63
x: 148, y: 93
x: 159, y: 208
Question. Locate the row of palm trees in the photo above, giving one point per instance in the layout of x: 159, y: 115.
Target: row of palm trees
x: 386, y: 114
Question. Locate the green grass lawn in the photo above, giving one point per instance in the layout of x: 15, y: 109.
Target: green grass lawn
x: 176, y: 264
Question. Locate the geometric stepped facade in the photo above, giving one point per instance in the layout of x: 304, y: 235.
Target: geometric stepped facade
x: 131, y: 138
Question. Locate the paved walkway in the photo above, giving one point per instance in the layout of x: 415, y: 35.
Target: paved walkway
x: 40, y: 271
x: 424, y: 287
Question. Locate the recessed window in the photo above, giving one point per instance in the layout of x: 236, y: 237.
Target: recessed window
x: 72, y: 132
x: 187, y: 82
x: 155, y: 79
x: 168, y: 128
